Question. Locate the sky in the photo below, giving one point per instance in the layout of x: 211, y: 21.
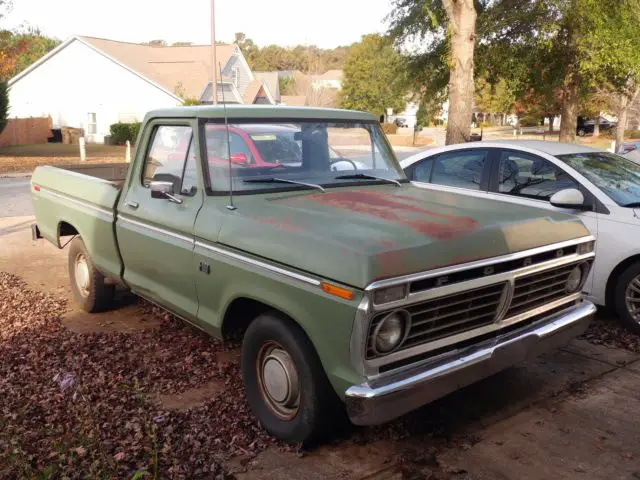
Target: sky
x: 326, y: 23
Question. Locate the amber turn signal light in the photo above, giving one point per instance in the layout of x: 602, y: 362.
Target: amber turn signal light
x: 337, y: 291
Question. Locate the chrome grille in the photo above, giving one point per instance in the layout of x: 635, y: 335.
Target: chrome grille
x: 446, y: 316
x: 539, y: 289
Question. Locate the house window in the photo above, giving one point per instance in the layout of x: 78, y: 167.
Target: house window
x: 92, y: 126
x: 235, y: 75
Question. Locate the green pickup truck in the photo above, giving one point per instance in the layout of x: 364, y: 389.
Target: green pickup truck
x: 295, y: 231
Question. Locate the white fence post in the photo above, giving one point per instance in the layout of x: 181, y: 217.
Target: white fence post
x: 83, y: 149
x: 127, y: 152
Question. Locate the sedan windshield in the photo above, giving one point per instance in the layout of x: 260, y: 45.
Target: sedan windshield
x: 616, y: 176
x: 298, y: 154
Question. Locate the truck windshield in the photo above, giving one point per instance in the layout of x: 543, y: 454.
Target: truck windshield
x: 616, y: 176
x: 311, y: 152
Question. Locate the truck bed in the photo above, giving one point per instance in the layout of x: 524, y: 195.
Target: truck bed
x: 81, y: 200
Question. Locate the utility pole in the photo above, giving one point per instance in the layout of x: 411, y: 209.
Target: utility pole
x: 214, y: 65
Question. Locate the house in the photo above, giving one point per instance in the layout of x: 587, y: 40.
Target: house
x: 330, y: 79
x: 92, y: 83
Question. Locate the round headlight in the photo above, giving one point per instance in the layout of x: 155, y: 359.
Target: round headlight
x: 574, y: 281
x: 390, y: 332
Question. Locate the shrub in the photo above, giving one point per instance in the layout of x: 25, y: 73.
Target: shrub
x: 121, y: 132
x: 389, y: 128
x: 4, y: 105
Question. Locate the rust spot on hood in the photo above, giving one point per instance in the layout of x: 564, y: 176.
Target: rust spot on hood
x: 284, y: 224
x: 399, y: 209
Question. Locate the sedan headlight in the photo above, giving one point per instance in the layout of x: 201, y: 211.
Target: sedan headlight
x: 574, y: 280
x: 390, y: 332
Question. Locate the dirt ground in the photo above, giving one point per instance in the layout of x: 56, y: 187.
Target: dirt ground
x: 570, y: 414
x: 25, y: 158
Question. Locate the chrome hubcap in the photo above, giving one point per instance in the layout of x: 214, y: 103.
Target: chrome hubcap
x: 278, y: 379
x: 81, y: 272
x: 632, y: 298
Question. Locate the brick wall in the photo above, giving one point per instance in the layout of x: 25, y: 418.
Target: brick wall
x: 26, y: 131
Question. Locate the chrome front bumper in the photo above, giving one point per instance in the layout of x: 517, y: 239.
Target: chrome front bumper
x: 393, y: 395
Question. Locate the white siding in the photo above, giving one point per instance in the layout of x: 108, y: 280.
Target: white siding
x: 78, y: 81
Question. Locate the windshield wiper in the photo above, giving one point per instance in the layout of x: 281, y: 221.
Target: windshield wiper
x: 283, y: 180
x: 364, y: 176
x: 632, y: 205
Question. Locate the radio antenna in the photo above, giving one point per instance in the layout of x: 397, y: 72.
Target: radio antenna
x: 231, y: 206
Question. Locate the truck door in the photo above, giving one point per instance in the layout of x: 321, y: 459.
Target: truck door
x: 155, y: 228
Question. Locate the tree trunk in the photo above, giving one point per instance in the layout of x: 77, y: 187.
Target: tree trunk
x: 596, y: 126
x: 569, y: 110
x: 462, y: 20
x: 624, y: 104
x: 551, y: 119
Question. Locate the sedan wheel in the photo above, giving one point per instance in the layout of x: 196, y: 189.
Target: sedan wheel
x: 632, y: 299
x: 627, y: 297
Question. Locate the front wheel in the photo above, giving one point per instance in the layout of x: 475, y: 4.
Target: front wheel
x: 627, y: 297
x: 88, y: 285
x: 581, y: 132
x: 285, y: 383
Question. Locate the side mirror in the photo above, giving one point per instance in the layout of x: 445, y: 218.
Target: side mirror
x: 163, y: 190
x: 569, y: 198
x: 239, y: 158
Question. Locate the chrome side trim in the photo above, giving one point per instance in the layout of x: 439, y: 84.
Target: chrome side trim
x: 258, y: 263
x: 479, y: 263
x: 161, y: 231
x: 482, y: 281
x: 103, y: 211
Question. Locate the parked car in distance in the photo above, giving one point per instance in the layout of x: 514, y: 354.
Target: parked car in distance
x: 400, y: 122
x: 351, y: 288
x: 602, y: 188
x: 587, y: 126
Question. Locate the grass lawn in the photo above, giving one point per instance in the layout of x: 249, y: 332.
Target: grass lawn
x: 25, y: 158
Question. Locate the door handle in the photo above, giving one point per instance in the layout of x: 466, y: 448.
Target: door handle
x: 133, y: 205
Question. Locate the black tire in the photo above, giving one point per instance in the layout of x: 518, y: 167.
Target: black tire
x: 581, y: 132
x: 96, y: 295
x: 319, y: 408
x: 620, y: 297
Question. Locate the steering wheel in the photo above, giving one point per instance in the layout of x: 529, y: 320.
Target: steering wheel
x: 353, y: 164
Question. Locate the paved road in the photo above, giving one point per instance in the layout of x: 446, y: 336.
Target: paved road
x: 15, y: 199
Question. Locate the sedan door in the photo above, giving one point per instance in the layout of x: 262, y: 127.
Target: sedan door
x: 528, y: 179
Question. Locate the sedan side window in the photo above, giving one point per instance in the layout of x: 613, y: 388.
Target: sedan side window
x: 531, y: 177
x: 166, y: 158
x: 461, y: 169
x: 422, y: 170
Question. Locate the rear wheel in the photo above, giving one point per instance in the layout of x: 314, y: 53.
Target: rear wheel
x: 88, y: 285
x: 285, y: 383
x: 581, y: 132
x: 627, y: 297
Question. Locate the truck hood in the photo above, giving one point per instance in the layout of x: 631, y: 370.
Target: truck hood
x: 363, y: 234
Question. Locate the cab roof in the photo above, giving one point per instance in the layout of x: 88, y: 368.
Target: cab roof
x: 260, y: 112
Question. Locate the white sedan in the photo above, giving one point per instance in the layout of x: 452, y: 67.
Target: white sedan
x: 602, y: 188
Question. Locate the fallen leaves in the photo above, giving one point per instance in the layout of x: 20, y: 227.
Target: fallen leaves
x: 80, y: 405
x: 610, y: 333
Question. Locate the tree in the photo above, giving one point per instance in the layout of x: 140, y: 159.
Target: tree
x: 493, y: 97
x: 4, y: 105
x: 21, y: 49
x: 373, y: 76
x: 446, y: 30
x: 566, y: 45
x: 287, y: 85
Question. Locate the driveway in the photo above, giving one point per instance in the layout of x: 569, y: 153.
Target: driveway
x: 14, y: 197
x: 570, y: 414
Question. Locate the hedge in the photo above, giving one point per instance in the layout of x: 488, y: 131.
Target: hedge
x: 121, y: 132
